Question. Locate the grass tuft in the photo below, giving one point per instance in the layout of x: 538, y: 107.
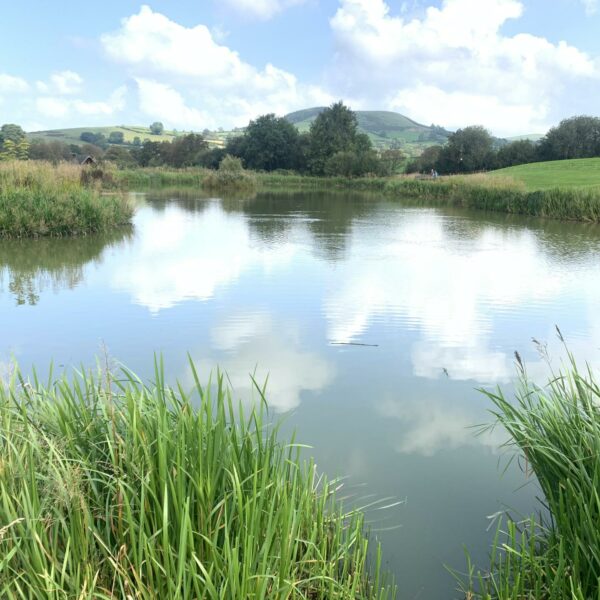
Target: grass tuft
x: 555, y: 431
x: 40, y: 199
x: 114, y: 489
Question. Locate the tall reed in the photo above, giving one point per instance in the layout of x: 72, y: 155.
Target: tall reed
x: 113, y: 489
x: 41, y: 199
x: 556, y: 432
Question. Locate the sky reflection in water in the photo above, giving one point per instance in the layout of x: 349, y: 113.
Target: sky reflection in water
x: 283, y: 285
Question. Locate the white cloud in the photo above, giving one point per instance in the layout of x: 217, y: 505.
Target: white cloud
x: 59, y: 107
x: 172, y: 263
x: 263, y: 9
x: 591, y: 6
x: 188, y: 66
x: 63, y: 83
x: 454, y: 65
x: 158, y: 100
x: 10, y: 84
x: 271, y: 352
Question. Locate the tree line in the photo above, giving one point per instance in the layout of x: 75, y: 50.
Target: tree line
x: 474, y: 148
x: 333, y: 146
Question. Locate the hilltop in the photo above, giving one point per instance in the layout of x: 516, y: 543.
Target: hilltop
x: 385, y: 128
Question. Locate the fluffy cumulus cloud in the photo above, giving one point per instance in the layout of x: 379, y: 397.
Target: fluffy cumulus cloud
x: 63, y: 83
x: 455, y: 66
x: 186, y: 65
x: 263, y: 9
x: 58, y: 107
x: 12, y: 85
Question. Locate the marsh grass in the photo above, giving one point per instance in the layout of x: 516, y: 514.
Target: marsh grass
x: 112, y: 489
x: 41, y: 199
x: 555, y: 431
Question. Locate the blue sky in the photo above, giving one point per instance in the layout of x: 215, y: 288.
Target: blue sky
x: 515, y: 66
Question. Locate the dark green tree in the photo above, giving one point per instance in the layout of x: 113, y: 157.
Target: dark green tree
x: 468, y: 150
x: 116, y: 137
x: 271, y: 143
x: 334, y: 130
x: 157, y: 128
x: 576, y: 137
x: 519, y: 152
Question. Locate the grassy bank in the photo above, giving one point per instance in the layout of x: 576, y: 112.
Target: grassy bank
x: 481, y: 192
x: 39, y: 199
x: 582, y: 173
x: 111, y: 489
x: 555, y: 431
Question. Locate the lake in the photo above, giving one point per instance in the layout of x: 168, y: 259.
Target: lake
x: 374, y: 320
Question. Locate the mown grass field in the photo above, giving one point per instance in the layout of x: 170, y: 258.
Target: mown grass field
x: 578, y: 173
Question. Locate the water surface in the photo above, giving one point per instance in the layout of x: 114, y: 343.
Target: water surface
x: 288, y: 285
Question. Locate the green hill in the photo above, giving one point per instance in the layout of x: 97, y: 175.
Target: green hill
x: 578, y: 173
x: 71, y: 135
x: 385, y: 128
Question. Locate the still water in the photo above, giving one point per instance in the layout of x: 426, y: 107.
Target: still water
x: 375, y: 322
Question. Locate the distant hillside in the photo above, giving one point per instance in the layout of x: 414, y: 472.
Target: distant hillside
x: 72, y: 135
x: 532, y: 137
x: 385, y: 128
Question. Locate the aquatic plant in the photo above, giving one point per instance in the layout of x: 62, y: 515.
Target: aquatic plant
x: 41, y: 199
x: 230, y: 175
x: 114, y: 489
x: 555, y: 431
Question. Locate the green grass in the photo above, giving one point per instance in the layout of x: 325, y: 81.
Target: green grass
x: 71, y: 135
x: 39, y: 199
x: 113, y: 489
x: 583, y: 173
x: 130, y: 132
x: 555, y: 431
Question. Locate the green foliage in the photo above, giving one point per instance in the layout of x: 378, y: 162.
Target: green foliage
x: 37, y: 199
x: 519, y: 152
x: 427, y: 162
x: 231, y: 164
x: 13, y: 143
x: 96, y: 139
x: 269, y: 143
x: 121, y: 156
x: 157, y: 128
x: 555, y: 432
x: 12, y: 132
x: 230, y: 175
x: 385, y: 129
x: 114, y: 489
x: 53, y: 151
x: 468, y: 150
x: 334, y: 130
x: 576, y: 137
x: 116, y: 137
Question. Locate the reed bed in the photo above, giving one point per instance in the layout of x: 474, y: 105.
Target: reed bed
x: 480, y: 191
x: 151, y: 177
x: 40, y: 199
x: 555, y: 431
x: 112, y: 489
